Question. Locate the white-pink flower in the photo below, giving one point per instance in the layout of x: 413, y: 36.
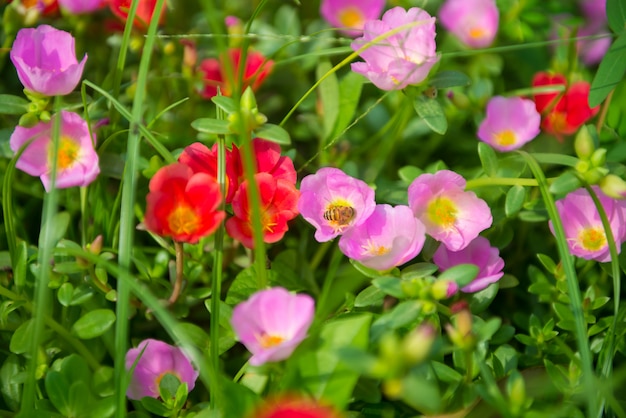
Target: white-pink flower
x: 480, y: 253
x: 473, y: 22
x: 510, y: 123
x: 76, y: 161
x: 449, y: 213
x: 272, y: 323
x: 350, y: 15
x: 390, y: 237
x: 403, y: 58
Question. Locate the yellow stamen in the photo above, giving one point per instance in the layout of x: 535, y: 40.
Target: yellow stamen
x: 505, y: 138
x: 351, y: 17
x: 183, y: 220
x: 68, y: 153
x: 268, y: 341
x: 592, y: 239
x: 442, y: 211
x: 477, y: 33
x: 375, y: 250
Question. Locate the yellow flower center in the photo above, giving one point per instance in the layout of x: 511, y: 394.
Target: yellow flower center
x: 477, y: 33
x: 505, y: 138
x: 183, y: 220
x: 442, y: 211
x: 68, y: 153
x: 351, y: 17
x: 592, y: 239
x: 375, y: 250
x: 268, y: 341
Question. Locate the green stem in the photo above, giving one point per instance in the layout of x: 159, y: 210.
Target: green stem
x: 328, y: 282
x: 180, y: 266
x: 500, y: 181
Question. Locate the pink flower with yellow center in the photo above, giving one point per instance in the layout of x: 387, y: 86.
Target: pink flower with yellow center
x: 350, y: 15
x: 473, y: 22
x: 511, y: 122
x: 76, y: 160
x: 333, y: 202
x: 272, y: 323
x: 390, y: 237
x: 583, y: 228
x: 449, y: 213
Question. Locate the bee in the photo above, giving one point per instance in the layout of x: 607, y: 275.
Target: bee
x: 340, y: 215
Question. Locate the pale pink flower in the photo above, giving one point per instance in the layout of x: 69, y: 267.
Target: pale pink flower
x: 583, y: 228
x: 272, y: 323
x: 334, y: 202
x: 45, y: 60
x: 350, y: 15
x: 391, y: 236
x: 156, y: 359
x: 480, y: 253
x: 449, y: 213
x: 510, y: 123
x: 77, y: 161
x: 403, y: 58
x: 473, y: 22
x: 81, y: 6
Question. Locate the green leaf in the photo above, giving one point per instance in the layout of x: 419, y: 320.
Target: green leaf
x: 13, y: 105
x: 227, y: 104
x: 64, y: 294
x: 419, y: 270
x: 274, y: 133
x: 461, y: 274
x: 446, y: 79
x: 21, y: 338
x: 329, y: 96
x: 480, y: 301
x: 94, y: 323
x: 366, y: 271
x: 446, y: 373
x: 350, y: 88
x: 155, y: 406
x: 10, y: 389
x: 60, y: 222
x: 616, y: 15
x: 610, y: 72
x: 390, y: 285
x: 419, y: 392
x: 370, y: 296
x: 547, y: 263
x: 58, y: 390
x: 488, y: 159
x: 211, y: 126
x: 401, y: 315
x: 515, y: 198
x: 409, y: 173
x: 431, y: 113
x: 565, y: 183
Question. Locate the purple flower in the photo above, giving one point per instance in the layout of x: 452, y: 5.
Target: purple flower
x: 583, y: 227
x: 391, y: 236
x: 157, y: 360
x: 510, y: 123
x: 77, y: 161
x: 272, y: 323
x: 449, y: 213
x: 474, y: 22
x: 333, y: 202
x: 480, y: 253
x: 351, y: 15
x: 403, y: 58
x: 594, y: 10
x: 81, y: 6
x: 45, y: 60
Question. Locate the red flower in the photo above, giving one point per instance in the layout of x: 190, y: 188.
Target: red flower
x: 183, y: 205
x: 214, y: 72
x: 294, y: 407
x: 145, y: 11
x: 279, y: 204
x: 562, y: 112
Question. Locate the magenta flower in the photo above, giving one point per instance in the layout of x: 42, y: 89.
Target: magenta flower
x: 272, y: 323
x: 403, y: 58
x: 81, y: 6
x: 480, y: 253
x: 333, y: 202
x: 351, y: 15
x: 510, y: 123
x: 583, y: 227
x: 45, y: 60
x: 156, y: 359
x: 77, y: 161
x: 473, y: 22
x: 391, y: 236
x: 449, y: 213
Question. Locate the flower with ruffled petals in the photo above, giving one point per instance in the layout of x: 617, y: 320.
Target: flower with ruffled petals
x: 81, y: 6
x: 389, y: 237
x: 583, y: 227
x: 334, y: 202
x: 473, y: 22
x: 143, y: 15
x: 449, y: 213
x: 403, y: 58
x: 45, y: 60
x: 183, y: 204
x: 279, y: 200
x: 293, y: 406
x: 510, y: 123
x: 152, y: 360
x: 563, y: 113
x: 272, y: 323
x: 76, y: 160
x: 214, y: 75
x: 480, y: 253
x: 350, y: 15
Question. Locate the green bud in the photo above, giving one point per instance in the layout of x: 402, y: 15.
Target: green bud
x: 595, y: 175
x: 393, y: 388
x: 28, y: 120
x: 583, y: 144
x: 582, y: 166
x: 598, y: 158
x: 613, y: 186
x: 417, y: 344
x: 248, y: 101
x: 443, y: 289
x: 260, y: 119
x: 45, y: 116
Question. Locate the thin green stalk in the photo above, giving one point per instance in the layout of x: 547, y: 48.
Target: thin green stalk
x: 500, y: 181
x: 328, y: 282
x: 567, y: 262
x: 127, y: 218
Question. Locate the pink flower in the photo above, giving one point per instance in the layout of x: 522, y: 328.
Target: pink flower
x: 77, y: 161
x: 594, y: 10
x: 351, y: 15
x: 156, y: 359
x: 334, y: 202
x: 272, y: 323
x: 510, y: 123
x: 391, y: 236
x: 403, y: 58
x: 81, y: 6
x: 480, y: 253
x: 45, y: 60
x: 583, y: 227
x: 474, y: 22
x: 449, y: 213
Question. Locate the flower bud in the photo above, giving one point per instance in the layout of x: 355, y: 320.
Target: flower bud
x: 583, y: 144
x: 248, y: 101
x: 417, y: 344
x: 595, y: 175
x: 613, y: 186
x: 444, y: 289
x: 598, y: 158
